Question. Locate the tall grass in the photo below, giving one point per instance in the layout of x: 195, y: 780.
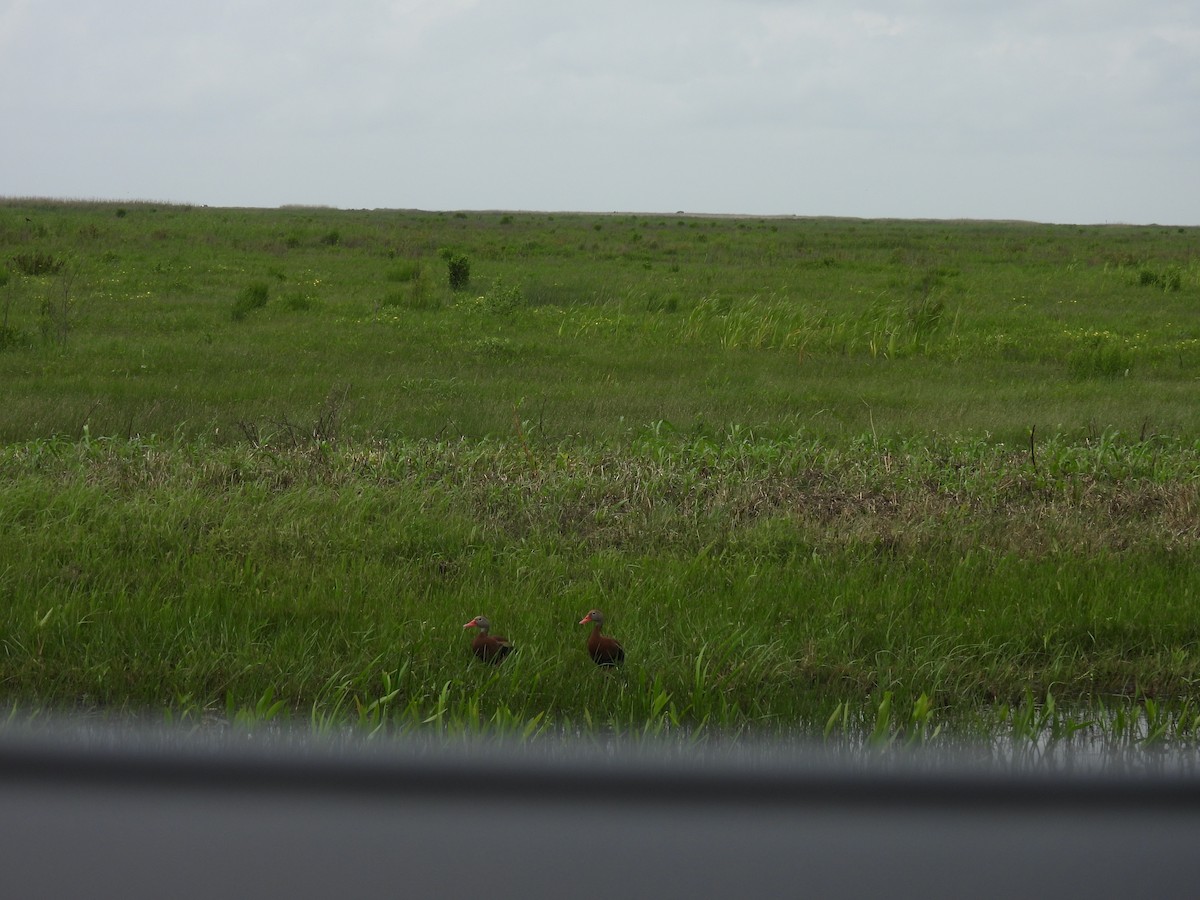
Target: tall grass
x: 758, y: 585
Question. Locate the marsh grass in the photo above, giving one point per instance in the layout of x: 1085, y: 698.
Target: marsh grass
x: 884, y: 592
x: 874, y: 481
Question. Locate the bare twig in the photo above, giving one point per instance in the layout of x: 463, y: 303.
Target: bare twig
x: 250, y: 430
x: 88, y: 417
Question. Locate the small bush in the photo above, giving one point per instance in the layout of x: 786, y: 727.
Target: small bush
x: 331, y: 238
x: 253, y: 296
x: 458, y: 270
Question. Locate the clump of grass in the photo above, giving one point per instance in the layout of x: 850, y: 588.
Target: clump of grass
x: 419, y: 294
x: 298, y: 301
x: 1169, y: 279
x: 405, y: 272
x: 491, y: 346
x: 11, y: 337
x: 1097, y: 354
x: 34, y: 263
x: 1099, y: 362
x: 501, y: 299
x: 250, y: 298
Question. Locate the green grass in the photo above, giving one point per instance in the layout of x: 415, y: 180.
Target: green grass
x: 836, y: 327
x: 758, y: 585
x: 886, y: 480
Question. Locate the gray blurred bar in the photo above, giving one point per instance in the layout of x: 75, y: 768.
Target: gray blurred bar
x: 136, y: 814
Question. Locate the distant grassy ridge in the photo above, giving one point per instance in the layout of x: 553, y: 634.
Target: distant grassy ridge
x: 831, y: 475
x: 194, y: 322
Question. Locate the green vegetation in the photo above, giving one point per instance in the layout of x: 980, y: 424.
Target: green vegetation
x: 870, y: 479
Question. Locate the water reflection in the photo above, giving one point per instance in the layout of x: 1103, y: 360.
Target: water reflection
x: 1095, y: 750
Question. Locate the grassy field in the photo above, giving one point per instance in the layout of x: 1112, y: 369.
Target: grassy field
x: 838, y: 477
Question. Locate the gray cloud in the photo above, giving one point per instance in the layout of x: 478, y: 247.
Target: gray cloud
x: 1058, y: 110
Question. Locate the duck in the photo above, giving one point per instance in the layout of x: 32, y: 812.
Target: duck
x: 489, y: 648
x: 604, y: 650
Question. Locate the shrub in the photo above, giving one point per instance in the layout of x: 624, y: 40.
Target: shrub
x: 458, y: 269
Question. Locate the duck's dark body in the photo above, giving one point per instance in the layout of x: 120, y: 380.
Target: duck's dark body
x: 604, y: 650
x: 489, y: 648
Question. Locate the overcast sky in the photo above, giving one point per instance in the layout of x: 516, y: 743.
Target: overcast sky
x: 1051, y: 110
